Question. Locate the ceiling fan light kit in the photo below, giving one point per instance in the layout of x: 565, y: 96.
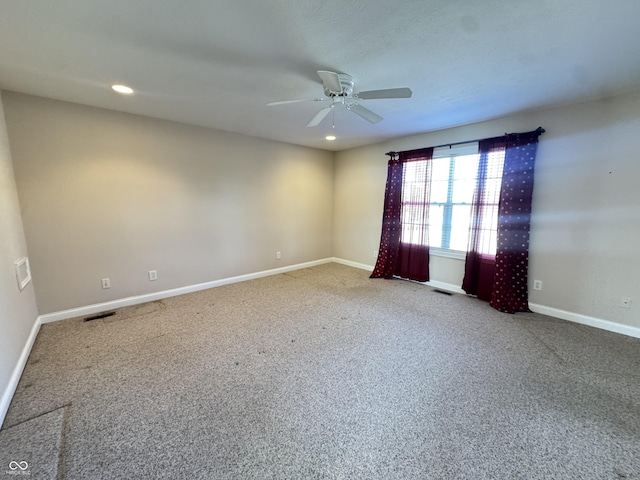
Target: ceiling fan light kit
x: 336, y: 84
x: 339, y: 89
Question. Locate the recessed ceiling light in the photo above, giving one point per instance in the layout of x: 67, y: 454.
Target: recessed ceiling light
x: 122, y: 89
x: 330, y: 138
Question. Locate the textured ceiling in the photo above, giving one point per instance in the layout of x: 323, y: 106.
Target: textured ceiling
x: 217, y: 63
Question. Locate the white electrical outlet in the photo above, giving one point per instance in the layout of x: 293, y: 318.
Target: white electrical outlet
x: 625, y: 302
x: 106, y: 283
x: 375, y: 254
x: 153, y: 275
x: 278, y: 255
x: 537, y: 284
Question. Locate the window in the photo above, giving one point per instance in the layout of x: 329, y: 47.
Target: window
x: 414, y: 202
x: 452, y: 185
x: 488, y: 203
x: 453, y: 174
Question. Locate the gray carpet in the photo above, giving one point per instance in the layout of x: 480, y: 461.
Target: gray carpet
x: 324, y: 373
x: 32, y: 448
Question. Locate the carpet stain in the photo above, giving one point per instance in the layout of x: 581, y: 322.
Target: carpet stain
x: 620, y: 474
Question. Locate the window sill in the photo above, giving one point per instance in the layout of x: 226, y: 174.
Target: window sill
x: 447, y: 253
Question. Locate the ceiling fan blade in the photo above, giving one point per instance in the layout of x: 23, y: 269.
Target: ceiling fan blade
x: 284, y: 102
x: 315, y: 121
x: 365, y: 113
x: 330, y: 80
x: 386, y: 93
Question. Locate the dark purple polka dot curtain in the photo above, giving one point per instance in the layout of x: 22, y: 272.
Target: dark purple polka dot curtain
x: 496, y: 269
x: 510, y: 292
x: 481, y: 249
x: 391, y: 227
x: 499, y: 274
x: 407, y: 255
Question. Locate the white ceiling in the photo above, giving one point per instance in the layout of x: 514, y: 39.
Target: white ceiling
x: 217, y: 63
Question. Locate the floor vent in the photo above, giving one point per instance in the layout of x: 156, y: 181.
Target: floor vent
x: 443, y: 292
x: 99, y: 316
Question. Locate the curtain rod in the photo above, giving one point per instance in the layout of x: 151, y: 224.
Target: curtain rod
x: 539, y: 130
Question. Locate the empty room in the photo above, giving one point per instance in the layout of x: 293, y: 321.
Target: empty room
x: 320, y: 240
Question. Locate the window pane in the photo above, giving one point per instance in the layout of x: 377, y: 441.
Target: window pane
x: 413, y: 203
x: 460, y: 227
x: 439, y: 179
x: 466, y: 169
x: 452, y: 186
x: 488, y: 232
x: 435, y: 225
x: 489, y: 203
x: 414, y: 172
x: 413, y: 231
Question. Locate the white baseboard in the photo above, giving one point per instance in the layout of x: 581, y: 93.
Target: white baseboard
x: 349, y: 263
x: 129, y: 301
x: 431, y: 283
x: 151, y: 297
x: 586, y: 320
x: 542, y: 309
x: 10, y: 389
x: 449, y: 287
x: 7, y: 395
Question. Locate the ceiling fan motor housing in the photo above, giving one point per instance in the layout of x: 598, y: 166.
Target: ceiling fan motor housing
x: 346, y: 82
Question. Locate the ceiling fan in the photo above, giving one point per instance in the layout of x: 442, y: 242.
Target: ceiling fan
x: 338, y: 88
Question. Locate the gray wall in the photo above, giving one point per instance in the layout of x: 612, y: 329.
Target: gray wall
x: 585, y: 236
x: 108, y: 194
x: 17, y: 308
